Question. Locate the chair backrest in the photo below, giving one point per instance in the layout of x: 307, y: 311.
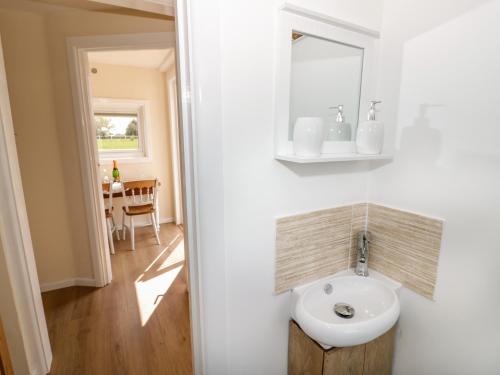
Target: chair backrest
x: 139, y: 193
x: 107, y: 191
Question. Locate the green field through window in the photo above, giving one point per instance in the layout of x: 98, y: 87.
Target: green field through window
x: 118, y: 144
x: 117, y: 131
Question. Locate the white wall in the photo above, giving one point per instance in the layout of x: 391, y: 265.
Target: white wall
x: 361, y: 12
x: 242, y: 189
x: 440, y: 65
x: 435, y: 69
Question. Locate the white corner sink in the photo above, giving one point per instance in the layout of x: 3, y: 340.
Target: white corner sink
x: 374, y: 299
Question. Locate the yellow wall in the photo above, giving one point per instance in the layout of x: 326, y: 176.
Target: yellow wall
x: 42, y: 109
x: 30, y: 89
x: 126, y: 82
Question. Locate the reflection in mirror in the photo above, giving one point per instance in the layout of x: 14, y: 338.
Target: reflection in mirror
x: 326, y: 83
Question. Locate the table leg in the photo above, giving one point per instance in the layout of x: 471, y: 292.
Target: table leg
x: 157, y: 214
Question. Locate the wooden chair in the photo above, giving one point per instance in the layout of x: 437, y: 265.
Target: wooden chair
x: 107, y: 190
x: 139, y: 199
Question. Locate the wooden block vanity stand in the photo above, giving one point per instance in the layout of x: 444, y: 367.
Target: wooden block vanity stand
x: 307, y: 357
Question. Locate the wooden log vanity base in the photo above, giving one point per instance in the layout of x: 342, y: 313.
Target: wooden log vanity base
x: 307, y: 357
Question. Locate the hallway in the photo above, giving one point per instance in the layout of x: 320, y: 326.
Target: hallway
x: 126, y: 327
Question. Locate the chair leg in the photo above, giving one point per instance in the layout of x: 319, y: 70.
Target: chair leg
x: 110, y: 237
x: 115, y: 229
x: 153, y: 219
x: 132, y: 233
x: 124, y: 228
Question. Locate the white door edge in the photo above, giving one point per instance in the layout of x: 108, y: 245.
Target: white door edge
x: 17, y: 245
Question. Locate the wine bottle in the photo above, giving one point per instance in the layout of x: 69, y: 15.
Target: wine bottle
x: 116, y: 172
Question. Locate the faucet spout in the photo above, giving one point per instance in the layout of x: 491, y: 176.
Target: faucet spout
x: 363, y: 247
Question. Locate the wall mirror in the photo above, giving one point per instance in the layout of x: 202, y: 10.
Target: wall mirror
x: 325, y: 69
x: 325, y: 82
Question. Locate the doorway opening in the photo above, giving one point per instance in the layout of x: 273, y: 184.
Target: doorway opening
x: 130, y: 92
x: 129, y: 324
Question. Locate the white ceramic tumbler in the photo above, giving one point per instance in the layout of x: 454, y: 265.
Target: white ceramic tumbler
x: 308, y: 136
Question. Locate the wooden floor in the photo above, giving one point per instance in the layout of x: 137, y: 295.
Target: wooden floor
x: 126, y: 327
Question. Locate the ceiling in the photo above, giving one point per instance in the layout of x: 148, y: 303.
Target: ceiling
x: 50, y: 6
x: 148, y: 8
x: 150, y: 58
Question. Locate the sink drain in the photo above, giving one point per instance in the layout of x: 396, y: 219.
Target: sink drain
x: 344, y: 310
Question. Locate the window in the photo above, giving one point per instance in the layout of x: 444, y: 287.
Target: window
x: 121, y: 129
x: 116, y: 131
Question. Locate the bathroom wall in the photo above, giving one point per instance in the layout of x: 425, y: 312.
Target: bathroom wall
x: 439, y: 84
x: 434, y: 69
x: 242, y: 189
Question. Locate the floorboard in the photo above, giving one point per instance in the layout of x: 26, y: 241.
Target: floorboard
x: 139, y: 324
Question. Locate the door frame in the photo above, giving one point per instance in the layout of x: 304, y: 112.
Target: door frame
x: 78, y: 48
x: 175, y: 147
x: 14, y: 227
x: 189, y: 180
x: 17, y: 246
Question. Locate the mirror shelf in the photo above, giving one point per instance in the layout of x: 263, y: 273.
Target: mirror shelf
x: 327, y: 158
x: 325, y: 77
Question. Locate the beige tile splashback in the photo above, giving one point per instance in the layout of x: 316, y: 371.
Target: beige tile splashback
x: 312, y: 245
x: 404, y: 246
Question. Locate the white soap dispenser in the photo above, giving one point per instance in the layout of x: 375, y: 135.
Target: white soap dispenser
x: 338, y: 130
x: 370, y: 134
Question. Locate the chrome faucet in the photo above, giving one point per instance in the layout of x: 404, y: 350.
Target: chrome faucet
x: 362, y: 262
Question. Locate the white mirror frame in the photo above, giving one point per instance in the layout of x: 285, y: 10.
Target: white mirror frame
x: 293, y: 18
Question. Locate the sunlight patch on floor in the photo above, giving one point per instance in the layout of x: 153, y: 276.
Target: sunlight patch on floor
x: 176, y: 256
x: 157, y: 279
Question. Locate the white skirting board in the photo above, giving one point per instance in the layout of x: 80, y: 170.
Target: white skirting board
x: 76, y: 281
x: 84, y: 281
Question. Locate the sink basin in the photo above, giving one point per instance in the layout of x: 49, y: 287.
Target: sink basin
x: 346, y: 310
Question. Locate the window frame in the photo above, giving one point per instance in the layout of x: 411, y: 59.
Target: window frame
x: 121, y: 107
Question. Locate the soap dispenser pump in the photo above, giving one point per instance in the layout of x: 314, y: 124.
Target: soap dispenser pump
x: 338, y: 130
x: 370, y: 134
